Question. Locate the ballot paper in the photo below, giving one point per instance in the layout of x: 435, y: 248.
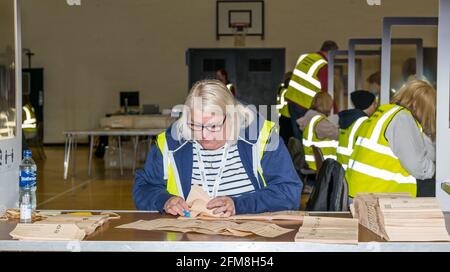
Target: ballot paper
x: 269, y: 216
x: 216, y: 227
x: 48, y: 232
x: 328, y: 230
x: 413, y: 219
x: 197, y: 201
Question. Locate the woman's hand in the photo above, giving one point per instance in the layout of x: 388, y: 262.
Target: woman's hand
x: 222, y: 205
x: 175, y: 206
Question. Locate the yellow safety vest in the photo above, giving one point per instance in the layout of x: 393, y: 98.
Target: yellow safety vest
x: 282, y: 105
x: 171, y: 171
x: 373, y: 167
x: 29, y: 123
x: 347, y: 139
x: 326, y: 145
x: 304, y: 83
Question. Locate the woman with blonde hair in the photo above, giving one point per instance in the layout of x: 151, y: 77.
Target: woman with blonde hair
x: 227, y: 149
x: 394, y: 151
x: 318, y: 130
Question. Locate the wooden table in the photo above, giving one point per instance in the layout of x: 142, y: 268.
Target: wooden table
x: 109, y: 238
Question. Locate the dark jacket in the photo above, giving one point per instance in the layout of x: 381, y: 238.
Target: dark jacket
x: 348, y: 117
x: 331, y: 191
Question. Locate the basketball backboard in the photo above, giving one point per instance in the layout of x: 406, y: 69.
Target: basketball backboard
x: 249, y: 13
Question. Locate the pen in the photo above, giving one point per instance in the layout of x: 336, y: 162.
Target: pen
x: 186, y: 213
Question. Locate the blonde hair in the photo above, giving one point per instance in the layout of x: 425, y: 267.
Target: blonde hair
x: 419, y: 97
x: 322, y: 103
x: 214, y: 97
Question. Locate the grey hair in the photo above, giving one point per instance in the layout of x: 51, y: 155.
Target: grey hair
x: 214, y: 97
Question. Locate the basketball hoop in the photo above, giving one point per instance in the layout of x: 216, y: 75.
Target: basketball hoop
x: 239, y: 33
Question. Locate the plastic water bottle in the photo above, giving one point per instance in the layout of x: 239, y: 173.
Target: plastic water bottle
x: 26, y: 210
x: 28, y: 178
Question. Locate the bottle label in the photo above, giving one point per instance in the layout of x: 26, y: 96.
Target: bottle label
x: 25, y: 212
x: 27, y: 178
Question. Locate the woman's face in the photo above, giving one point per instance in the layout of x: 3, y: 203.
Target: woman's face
x: 209, y: 129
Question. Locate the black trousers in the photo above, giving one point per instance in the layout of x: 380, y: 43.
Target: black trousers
x: 426, y: 187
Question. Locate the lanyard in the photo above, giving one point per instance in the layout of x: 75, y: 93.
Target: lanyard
x: 219, y: 174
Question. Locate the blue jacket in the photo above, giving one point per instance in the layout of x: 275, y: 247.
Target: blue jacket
x: 282, y: 192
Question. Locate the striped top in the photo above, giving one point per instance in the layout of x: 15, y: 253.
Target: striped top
x: 234, y: 180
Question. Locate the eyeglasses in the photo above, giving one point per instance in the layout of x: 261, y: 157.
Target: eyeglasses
x: 211, y: 127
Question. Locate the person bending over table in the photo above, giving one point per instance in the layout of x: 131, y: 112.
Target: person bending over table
x: 229, y: 150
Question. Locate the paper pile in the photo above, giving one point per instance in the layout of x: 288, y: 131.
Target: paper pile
x: 399, y: 217
x: 87, y: 223
x: 42, y: 230
x: 48, y: 232
x: 198, y: 199
x: 365, y: 207
x: 413, y: 219
x: 269, y: 216
x: 328, y: 230
x: 209, y: 227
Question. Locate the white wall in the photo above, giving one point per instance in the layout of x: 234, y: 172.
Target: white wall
x: 92, y: 52
x: 9, y: 168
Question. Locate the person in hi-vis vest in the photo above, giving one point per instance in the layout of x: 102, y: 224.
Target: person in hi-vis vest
x: 222, y: 75
x: 351, y: 120
x: 394, y: 150
x: 318, y: 130
x: 228, y: 149
x: 29, y: 123
x: 310, y: 76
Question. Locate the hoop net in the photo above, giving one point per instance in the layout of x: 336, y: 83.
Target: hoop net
x: 239, y: 33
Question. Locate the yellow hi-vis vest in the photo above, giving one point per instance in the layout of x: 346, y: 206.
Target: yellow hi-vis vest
x: 327, y: 146
x: 171, y: 171
x: 347, y: 139
x: 304, y: 83
x: 231, y: 88
x: 282, y: 105
x: 373, y: 167
x: 29, y: 124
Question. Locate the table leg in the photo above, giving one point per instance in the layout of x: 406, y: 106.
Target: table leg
x: 74, y: 155
x: 91, y: 147
x: 120, y: 157
x: 66, y: 150
x: 69, y: 147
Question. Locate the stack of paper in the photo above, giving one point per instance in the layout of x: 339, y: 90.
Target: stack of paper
x: 365, y: 207
x: 328, y: 230
x: 48, y: 232
x: 413, y: 219
x: 209, y: 227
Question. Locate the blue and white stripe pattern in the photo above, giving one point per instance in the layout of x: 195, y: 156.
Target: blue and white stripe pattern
x: 234, y: 181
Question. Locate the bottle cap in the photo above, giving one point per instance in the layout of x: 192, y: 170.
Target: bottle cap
x: 27, y: 153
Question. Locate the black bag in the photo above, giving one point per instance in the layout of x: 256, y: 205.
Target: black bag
x: 100, y: 151
x: 330, y: 192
